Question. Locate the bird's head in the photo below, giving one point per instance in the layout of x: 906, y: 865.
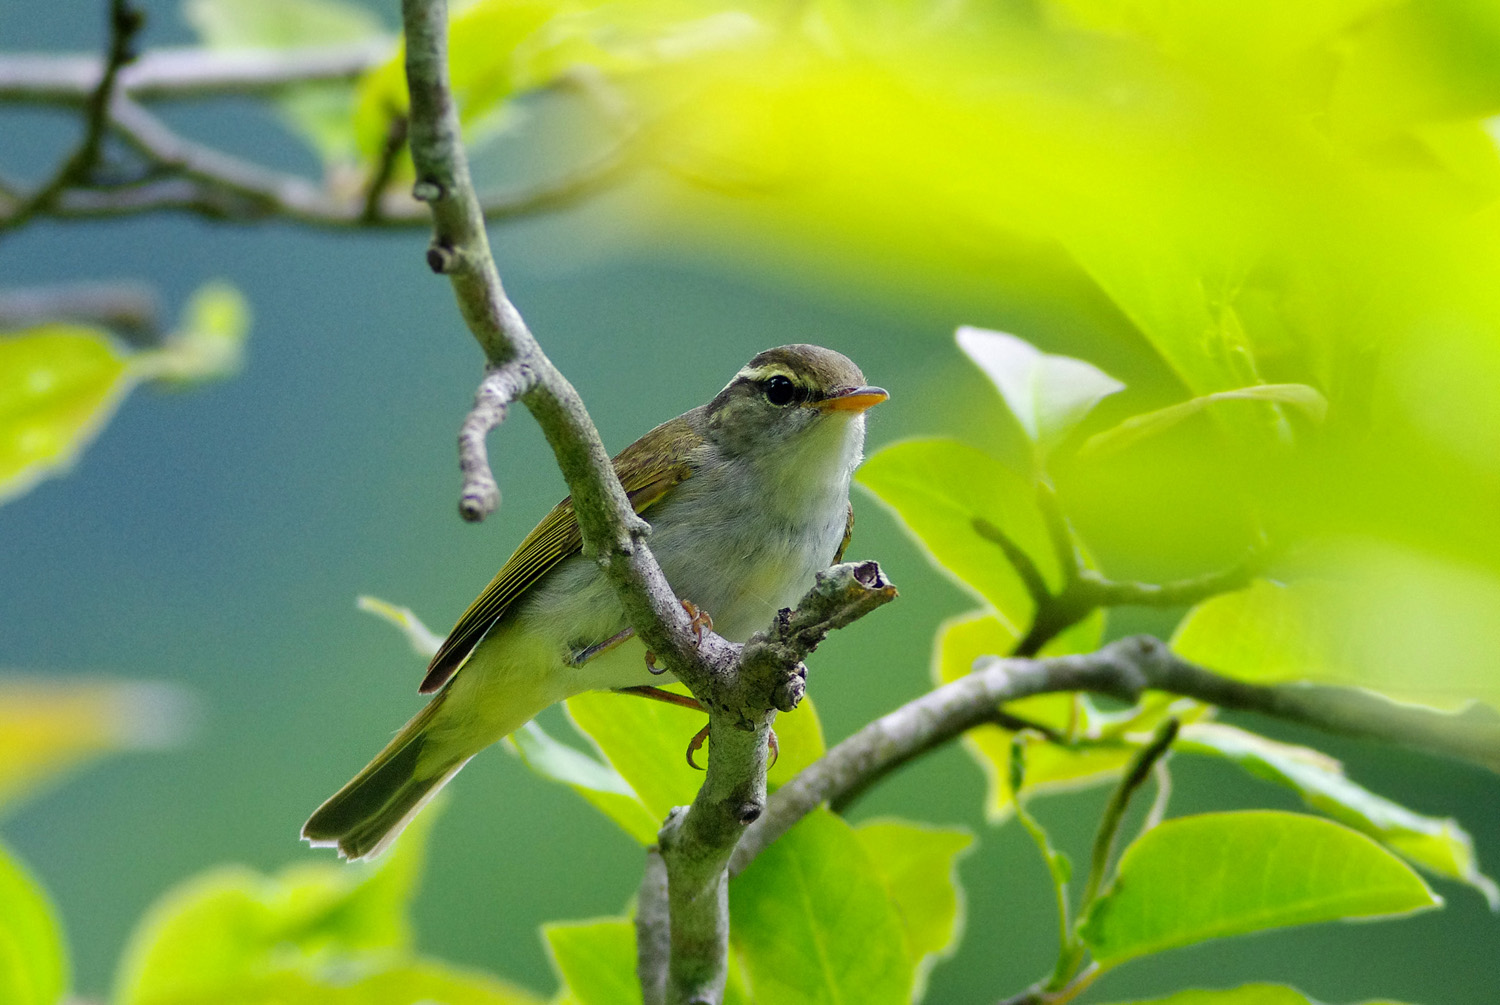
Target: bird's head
x: 793, y: 403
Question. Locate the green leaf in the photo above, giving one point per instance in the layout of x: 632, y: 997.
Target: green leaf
x: 814, y: 922
x: 1438, y: 845
x: 50, y: 726
x: 1049, y: 395
x: 423, y: 640
x: 1246, y: 994
x: 209, y: 343
x: 322, y: 113
x: 598, y: 782
x: 232, y: 934
x: 919, y: 864
x: 33, y: 958
x: 1141, y: 427
x: 1397, y: 622
x: 1221, y: 874
x: 646, y: 742
x: 59, y: 385
x: 596, y: 960
x: 939, y: 488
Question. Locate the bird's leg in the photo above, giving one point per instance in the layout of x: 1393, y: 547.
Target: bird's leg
x: 657, y: 694
x: 582, y: 656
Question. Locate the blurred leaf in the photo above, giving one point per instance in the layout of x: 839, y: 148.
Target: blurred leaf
x: 595, y: 781
x: 1439, y: 845
x: 33, y: 958
x: 814, y: 922
x: 232, y: 934
x: 322, y: 113
x: 919, y: 864
x: 424, y: 641
x: 1384, y: 616
x: 1049, y: 395
x: 1221, y: 874
x: 596, y: 960
x: 49, y: 726
x: 939, y: 488
x: 1140, y: 427
x: 209, y: 343
x: 1246, y: 994
x: 59, y: 385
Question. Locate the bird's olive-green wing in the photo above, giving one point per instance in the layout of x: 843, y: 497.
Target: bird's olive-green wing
x: 838, y: 556
x: 647, y: 469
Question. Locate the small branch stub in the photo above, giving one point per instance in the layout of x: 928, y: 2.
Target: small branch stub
x: 501, y: 385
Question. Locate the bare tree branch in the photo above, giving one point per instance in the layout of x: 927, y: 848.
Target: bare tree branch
x: 741, y: 686
x: 1123, y: 670
x: 129, y: 309
x: 189, y: 73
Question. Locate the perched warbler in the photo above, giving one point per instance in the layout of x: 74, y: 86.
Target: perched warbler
x: 748, y: 499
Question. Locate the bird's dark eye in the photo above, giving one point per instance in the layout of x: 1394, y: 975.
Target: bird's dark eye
x: 780, y: 390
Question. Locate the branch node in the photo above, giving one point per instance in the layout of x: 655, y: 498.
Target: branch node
x: 441, y: 258
x: 749, y: 813
x: 427, y: 190
x: 789, y: 694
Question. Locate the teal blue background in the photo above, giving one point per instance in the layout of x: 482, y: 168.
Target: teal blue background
x: 217, y: 539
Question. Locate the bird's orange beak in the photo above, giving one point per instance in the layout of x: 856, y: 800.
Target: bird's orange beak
x: 856, y: 399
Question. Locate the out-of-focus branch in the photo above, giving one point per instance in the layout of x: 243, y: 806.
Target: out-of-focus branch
x: 189, y: 73
x: 129, y: 309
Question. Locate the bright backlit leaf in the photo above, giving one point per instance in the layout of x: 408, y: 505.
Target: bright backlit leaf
x: 1438, y: 845
x: 1141, y: 427
x: 599, y: 783
x: 33, y: 959
x: 1409, y: 626
x: 940, y: 488
x: 322, y: 112
x: 1220, y: 874
x: 919, y: 864
x: 59, y: 385
x: 49, y: 726
x: 232, y: 934
x: 596, y: 960
x: 423, y: 640
x: 814, y: 922
x: 1049, y: 395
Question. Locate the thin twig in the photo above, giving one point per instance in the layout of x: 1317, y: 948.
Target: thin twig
x: 125, y: 22
x: 129, y: 309
x: 653, y: 930
x: 187, y: 73
x: 390, y: 152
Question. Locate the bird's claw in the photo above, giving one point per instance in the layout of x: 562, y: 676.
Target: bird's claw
x: 698, y: 619
x: 696, y: 744
x: 651, y: 664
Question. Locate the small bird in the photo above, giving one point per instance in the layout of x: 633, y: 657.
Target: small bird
x: 748, y: 499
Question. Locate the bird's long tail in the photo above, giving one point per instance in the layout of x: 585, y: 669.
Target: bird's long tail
x: 367, y: 814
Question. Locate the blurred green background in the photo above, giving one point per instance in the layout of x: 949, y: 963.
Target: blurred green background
x: 217, y: 538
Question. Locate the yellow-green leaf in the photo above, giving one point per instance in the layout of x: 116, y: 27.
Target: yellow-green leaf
x: 596, y: 960
x: 59, y: 385
x: 1438, y: 845
x: 919, y: 864
x: 33, y: 959
x: 50, y: 726
x: 814, y: 922
x: 1221, y: 874
x: 1140, y: 427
